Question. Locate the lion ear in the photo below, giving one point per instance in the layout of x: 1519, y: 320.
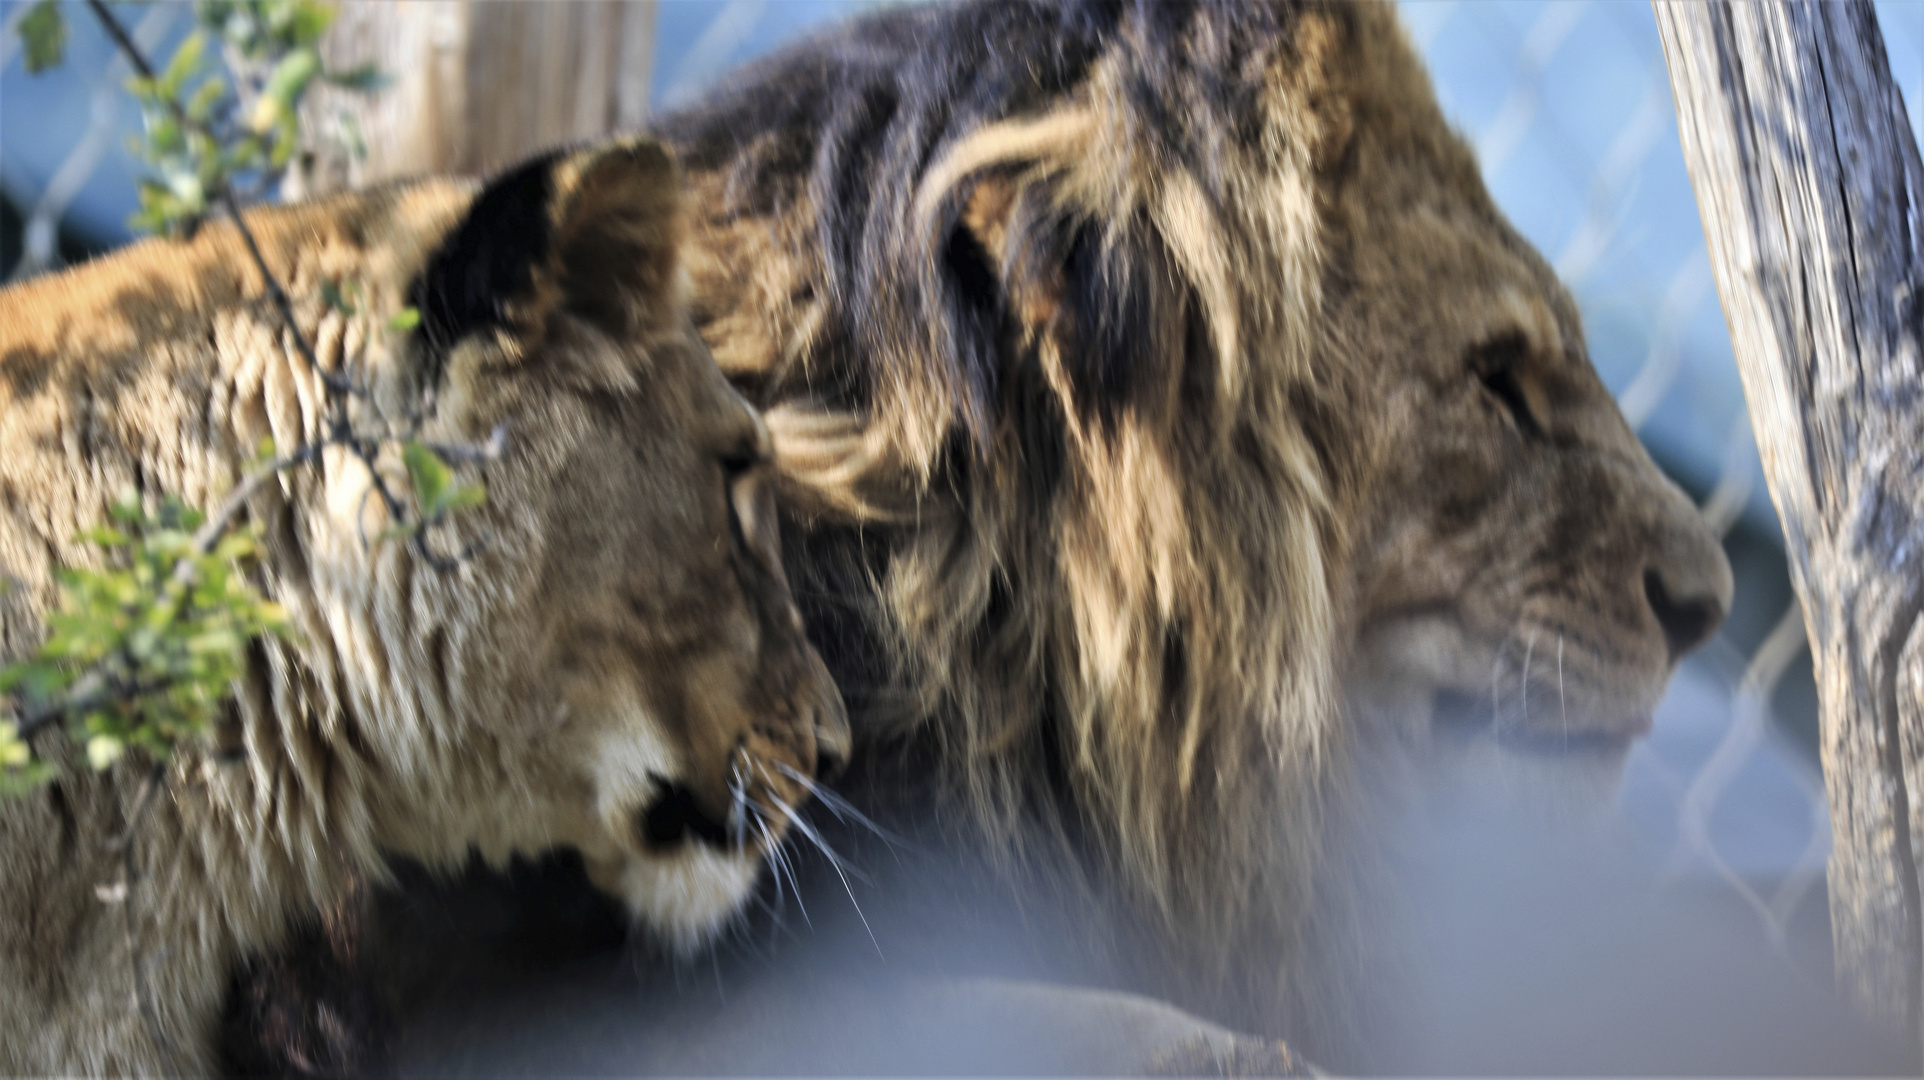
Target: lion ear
x: 595, y: 233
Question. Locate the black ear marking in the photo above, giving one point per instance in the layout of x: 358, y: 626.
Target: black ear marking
x: 976, y: 320
x: 592, y: 232
x: 1123, y: 329
x: 490, y: 258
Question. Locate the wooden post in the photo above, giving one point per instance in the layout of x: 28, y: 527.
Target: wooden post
x: 1809, y: 184
x: 474, y: 85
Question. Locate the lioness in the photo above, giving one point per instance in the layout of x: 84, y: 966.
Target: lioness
x: 1167, y: 421
x: 619, y: 669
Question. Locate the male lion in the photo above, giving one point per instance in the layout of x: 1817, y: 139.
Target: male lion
x: 1147, y: 380
x: 619, y: 669
x: 1167, y: 421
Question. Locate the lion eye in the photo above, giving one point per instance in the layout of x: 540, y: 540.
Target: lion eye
x: 1495, y: 365
x: 734, y: 470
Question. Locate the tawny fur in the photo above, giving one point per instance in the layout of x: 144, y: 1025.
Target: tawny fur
x: 615, y: 631
x: 1147, y: 380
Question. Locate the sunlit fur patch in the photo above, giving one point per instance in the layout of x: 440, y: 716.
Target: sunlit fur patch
x: 686, y: 896
x: 627, y: 764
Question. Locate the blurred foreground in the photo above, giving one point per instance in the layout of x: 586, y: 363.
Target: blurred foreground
x: 1563, y: 948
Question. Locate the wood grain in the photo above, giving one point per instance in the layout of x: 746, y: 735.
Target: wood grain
x: 475, y: 85
x: 1808, y: 181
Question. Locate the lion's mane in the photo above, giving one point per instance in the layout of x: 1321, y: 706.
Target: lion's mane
x: 1035, y: 315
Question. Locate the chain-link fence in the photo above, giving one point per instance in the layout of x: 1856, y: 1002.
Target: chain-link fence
x: 1570, y: 109
x: 1568, y: 105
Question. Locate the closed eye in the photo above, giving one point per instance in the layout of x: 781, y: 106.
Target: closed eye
x: 1496, y: 366
x: 734, y: 471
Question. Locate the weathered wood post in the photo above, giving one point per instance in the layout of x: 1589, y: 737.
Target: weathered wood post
x: 473, y: 85
x: 1809, y: 184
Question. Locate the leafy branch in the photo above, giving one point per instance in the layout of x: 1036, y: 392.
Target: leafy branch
x: 142, y: 654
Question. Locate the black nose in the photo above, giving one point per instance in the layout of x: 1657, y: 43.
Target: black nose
x: 1687, y: 621
x: 677, y: 815
x: 831, y: 756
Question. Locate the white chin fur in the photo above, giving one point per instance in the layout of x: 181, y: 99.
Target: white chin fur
x: 688, y: 895
x: 1573, y: 789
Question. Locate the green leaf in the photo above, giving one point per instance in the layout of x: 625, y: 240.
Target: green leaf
x: 43, y: 33
x: 284, y: 87
x: 200, y: 107
x: 426, y: 472
x: 127, y: 509
x: 232, y: 548
x: 214, y: 641
x: 106, y: 536
x: 14, y: 751
x: 461, y: 497
x: 285, y: 142
x: 104, y: 750
x: 404, y: 320
x: 188, y: 188
x: 21, y: 780
x: 309, y: 21
x: 164, y: 137
x: 185, y: 62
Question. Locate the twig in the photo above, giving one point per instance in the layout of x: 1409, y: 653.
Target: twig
x: 121, y: 893
x: 222, y: 195
x: 217, y: 523
x: 95, y: 688
x: 122, y: 39
x: 339, y: 388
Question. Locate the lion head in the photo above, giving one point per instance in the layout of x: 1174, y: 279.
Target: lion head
x: 1521, y: 579
x: 637, y: 654
x: 613, y: 664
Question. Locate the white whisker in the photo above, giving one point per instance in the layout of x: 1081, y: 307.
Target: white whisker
x: 843, y: 810
x: 834, y: 861
x: 771, y: 853
x: 782, y: 864
x: 813, y: 835
x: 1529, y: 650
x: 1496, y: 692
x: 738, y: 806
x: 809, y: 833
x: 1563, y: 702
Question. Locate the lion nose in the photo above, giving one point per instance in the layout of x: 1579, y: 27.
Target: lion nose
x: 833, y: 740
x: 1689, y: 597
x: 678, y: 814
